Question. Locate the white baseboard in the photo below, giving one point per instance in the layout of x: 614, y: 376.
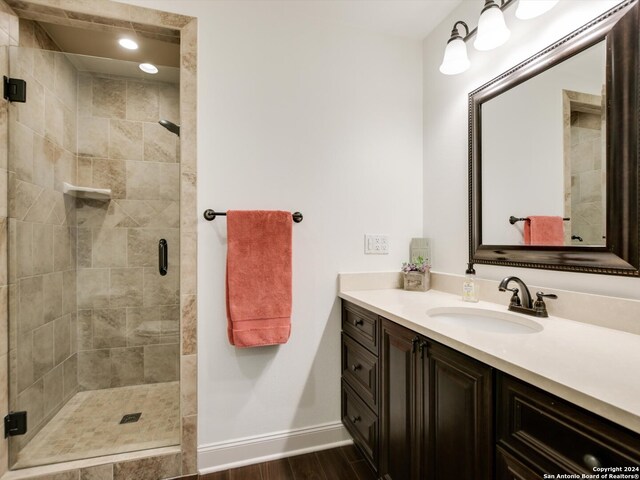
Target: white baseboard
x: 216, y: 457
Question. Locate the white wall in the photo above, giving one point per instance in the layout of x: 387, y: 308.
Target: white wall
x: 445, y: 139
x: 300, y: 114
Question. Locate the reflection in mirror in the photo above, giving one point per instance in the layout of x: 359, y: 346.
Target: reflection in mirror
x: 537, y: 134
x: 584, y: 129
x: 543, y: 147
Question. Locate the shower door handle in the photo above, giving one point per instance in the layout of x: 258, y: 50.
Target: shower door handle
x: 163, y: 256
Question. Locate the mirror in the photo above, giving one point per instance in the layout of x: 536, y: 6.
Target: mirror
x: 547, y: 130
x: 553, y: 155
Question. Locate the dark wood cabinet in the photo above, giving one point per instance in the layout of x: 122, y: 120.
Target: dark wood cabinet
x: 360, y: 380
x: 360, y: 370
x: 419, y: 410
x: 361, y: 325
x: 361, y: 422
x: 508, y: 468
x: 436, y: 410
x: 460, y: 422
x: 402, y: 371
x: 551, y: 435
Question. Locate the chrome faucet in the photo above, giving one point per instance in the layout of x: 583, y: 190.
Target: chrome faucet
x: 527, y: 305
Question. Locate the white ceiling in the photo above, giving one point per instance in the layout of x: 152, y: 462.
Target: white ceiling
x: 405, y: 18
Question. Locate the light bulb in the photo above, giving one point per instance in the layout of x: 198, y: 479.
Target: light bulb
x: 148, y: 68
x: 455, y: 57
x: 492, y: 30
x: 128, y: 44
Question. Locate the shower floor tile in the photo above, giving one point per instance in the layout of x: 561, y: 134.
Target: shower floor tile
x: 89, y: 425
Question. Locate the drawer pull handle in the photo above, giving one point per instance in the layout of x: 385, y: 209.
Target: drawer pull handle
x: 591, y: 461
x: 356, y: 366
x: 355, y: 419
x: 358, y: 321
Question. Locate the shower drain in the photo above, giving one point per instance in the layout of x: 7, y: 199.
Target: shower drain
x: 131, y: 418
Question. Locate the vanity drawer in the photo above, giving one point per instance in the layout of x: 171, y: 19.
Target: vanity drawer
x: 361, y: 325
x: 508, y: 468
x: 360, y: 370
x: 558, y: 437
x: 361, y: 423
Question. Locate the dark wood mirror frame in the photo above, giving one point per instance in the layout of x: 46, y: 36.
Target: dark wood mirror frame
x: 619, y: 28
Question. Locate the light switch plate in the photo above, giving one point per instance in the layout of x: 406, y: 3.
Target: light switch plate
x: 376, y: 244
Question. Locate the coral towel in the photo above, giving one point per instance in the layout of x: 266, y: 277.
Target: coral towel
x: 258, y: 277
x: 540, y: 230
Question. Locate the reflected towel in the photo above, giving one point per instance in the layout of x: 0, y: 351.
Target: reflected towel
x: 258, y: 277
x: 541, y: 230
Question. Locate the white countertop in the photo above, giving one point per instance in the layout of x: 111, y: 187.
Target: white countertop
x: 591, y: 366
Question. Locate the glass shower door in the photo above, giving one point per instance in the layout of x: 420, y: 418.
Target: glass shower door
x: 93, y: 322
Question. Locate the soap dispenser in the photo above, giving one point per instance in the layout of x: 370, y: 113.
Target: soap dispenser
x: 470, y: 288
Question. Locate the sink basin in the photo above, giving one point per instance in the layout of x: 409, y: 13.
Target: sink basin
x: 485, y: 320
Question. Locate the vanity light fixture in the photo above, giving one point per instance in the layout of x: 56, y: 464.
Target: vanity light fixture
x: 534, y: 8
x: 491, y: 32
x: 492, y: 29
x: 128, y: 43
x: 148, y: 68
x: 455, y: 55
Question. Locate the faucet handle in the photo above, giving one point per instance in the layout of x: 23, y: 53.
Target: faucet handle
x: 515, y: 299
x: 540, y: 295
x: 539, y: 307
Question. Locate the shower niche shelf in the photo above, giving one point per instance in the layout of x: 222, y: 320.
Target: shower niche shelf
x: 86, y: 192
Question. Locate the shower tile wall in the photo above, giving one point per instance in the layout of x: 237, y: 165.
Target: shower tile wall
x: 42, y: 232
x: 128, y: 315
x: 587, y: 178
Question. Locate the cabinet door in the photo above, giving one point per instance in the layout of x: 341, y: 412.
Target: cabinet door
x: 399, y: 367
x: 461, y: 443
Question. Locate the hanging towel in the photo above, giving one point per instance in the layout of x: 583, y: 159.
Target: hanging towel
x: 258, y: 277
x: 541, y: 230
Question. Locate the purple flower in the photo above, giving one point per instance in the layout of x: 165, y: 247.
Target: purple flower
x: 418, y: 265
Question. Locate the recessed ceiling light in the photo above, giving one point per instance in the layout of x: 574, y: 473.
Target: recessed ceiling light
x: 128, y: 44
x: 149, y: 68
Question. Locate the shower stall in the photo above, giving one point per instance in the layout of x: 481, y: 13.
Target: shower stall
x: 94, y: 197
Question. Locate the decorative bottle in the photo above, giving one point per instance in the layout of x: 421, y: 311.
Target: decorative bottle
x: 470, y: 288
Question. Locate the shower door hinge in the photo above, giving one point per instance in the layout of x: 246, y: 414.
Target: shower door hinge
x: 15, y: 89
x: 15, y: 424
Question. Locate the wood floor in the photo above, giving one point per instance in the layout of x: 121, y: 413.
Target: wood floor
x: 344, y: 463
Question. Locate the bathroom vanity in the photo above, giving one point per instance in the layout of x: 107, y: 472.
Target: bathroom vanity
x: 426, y: 399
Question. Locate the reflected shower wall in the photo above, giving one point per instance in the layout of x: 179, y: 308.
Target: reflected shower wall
x: 88, y: 308
x: 587, y: 178
x: 584, y: 124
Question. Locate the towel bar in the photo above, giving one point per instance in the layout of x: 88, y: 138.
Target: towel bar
x: 513, y: 220
x: 212, y: 214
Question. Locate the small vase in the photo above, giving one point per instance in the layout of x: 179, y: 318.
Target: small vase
x: 417, y: 281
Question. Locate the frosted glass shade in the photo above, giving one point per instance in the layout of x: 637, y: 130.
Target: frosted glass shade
x: 532, y: 8
x: 455, y: 57
x: 492, y: 30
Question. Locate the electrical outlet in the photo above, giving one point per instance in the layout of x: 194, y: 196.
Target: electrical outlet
x: 376, y: 244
